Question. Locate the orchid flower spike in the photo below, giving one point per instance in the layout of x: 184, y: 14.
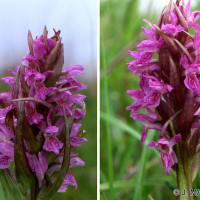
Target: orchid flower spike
x: 170, y: 88
x: 40, y: 119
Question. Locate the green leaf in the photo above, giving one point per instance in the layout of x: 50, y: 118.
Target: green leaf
x: 23, y: 82
x: 52, y: 57
x: 30, y: 42
x: 108, y: 135
x: 172, y: 46
x: 126, y: 158
x: 138, y: 192
x: 184, y: 50
x: 133, y: 183
x: 9, y: 119
x: 5, y: 190
x: 2, y: 192
x: 16, y: 85
x: 56, y: 67
x: 166, y: 14
x: 45, y: 36
x: 45, y: 103
x: 195, y: 165
x: 125, y: 127
x: 193, y: 142
x: 102, y: 197
x: 183, y: 22
x: 24, y: 173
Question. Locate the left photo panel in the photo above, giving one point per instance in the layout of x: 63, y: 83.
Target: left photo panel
x: 48, y: 100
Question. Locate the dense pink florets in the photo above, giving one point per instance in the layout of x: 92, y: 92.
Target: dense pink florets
x: 46, y: 90
x: 170, y: 85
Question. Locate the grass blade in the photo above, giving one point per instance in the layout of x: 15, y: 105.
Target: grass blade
x: 140, y: 178
x: 5, y: 191
x: 102, y: 197
x: 125, y: 127
x: 108, y: 136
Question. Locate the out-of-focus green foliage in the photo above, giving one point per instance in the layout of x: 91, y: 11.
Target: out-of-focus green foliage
x: 120, y: 24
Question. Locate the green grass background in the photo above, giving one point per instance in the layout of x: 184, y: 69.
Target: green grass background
x: 138, y: 172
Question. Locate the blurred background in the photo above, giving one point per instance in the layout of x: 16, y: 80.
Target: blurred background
x: 138, y: 172
x: 77, y: 21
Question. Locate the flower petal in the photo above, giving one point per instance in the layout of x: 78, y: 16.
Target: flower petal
x: 52, y: 144
x: 77, y: 141
x: 76, y: 161
x: 175, y: 139
x: 4, y: 162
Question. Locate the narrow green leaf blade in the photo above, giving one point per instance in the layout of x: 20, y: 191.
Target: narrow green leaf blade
x: 102, y: 196
x: 125, y: 127
x: 195, y: 165
x: 5, y: 191
x: 52, y: 57
x: 140, y: 178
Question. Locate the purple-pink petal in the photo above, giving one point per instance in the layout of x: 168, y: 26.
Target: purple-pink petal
x: 7, y: 149
x: 191, y: 81
x: 51, y: 131
x: 175, y: 139
x: 136, y: 94
x: 144, y: 135
x: 39, y: 49
x: 43, y: 161
x: 134, y: 54
x: 52, y: 144
x: 152, y: 144
x: 77, y: 141
x: 149, y: 33
x: 167, y: 162
x: 10, y: 81
x: 76, y: 161
x: 4, y: 111
x: 30, y: 61
x: 148, y: 46
x: 68, y: 181
x: 4, y: 161
x: 75, y: 129
x: 50, y: 44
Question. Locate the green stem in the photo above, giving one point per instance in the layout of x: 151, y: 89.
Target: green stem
x: 181, y: 177
x: 184, y: 179
x: 7, y: 191
x: 187, y: 170
x: 108, y: 137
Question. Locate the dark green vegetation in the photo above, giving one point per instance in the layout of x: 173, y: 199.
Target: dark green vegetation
x: 138, y: 171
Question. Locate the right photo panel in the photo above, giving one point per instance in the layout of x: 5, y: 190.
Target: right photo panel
x: 149, y: 99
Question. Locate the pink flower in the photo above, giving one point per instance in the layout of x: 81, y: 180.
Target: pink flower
x: 38, y: 165
x: 32, y: 115
x: 32, y: 121
x: 168, y: 155
x: 74, y: 139
x: 68, y: 181
x: 52, y: 143
x: 170, y: 84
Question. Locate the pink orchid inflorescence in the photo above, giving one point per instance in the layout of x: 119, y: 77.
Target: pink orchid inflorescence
x: 169, y: 68
x: 40, y: 120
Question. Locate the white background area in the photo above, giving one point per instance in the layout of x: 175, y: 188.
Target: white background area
x: 76, y: 19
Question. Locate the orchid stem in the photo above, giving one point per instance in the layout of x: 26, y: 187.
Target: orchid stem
x: 184, y: 180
